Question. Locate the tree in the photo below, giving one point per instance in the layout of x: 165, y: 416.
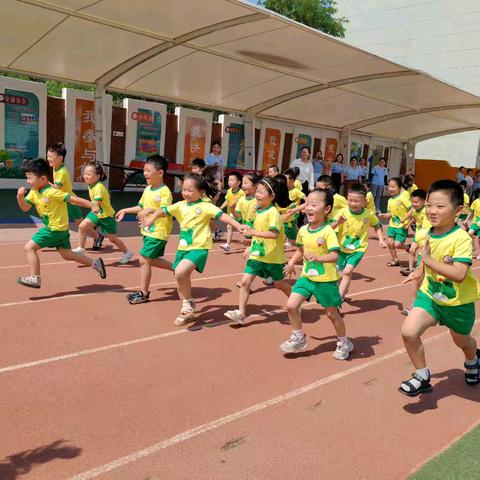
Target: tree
x: 318, y: 14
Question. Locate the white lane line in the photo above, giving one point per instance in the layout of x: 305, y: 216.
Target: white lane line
x: 137, y: 340
x: 219, y: 422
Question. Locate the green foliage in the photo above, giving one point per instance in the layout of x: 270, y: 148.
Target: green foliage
x: 318, y: 14
x: 4, y: 155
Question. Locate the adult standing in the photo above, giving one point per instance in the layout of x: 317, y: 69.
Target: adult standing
x: 379, y: 180
x: 337, y: 172
x: 318, y: 165
x: 306, y: 175
x: 352, y: 174
x: 476, y: 186
x: 461, y: 174
x: 363, y: 168
x: 216, y: 159
x: 469, y: 180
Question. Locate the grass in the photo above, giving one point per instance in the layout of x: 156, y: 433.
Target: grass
x: 461, y: 460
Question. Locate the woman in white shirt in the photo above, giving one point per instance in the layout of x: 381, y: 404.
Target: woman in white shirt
x: 305, y: 165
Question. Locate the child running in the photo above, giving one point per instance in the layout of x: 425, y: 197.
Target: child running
x: 369, y: 199
x: 51, y: 205
x: 267, y: 255
x: 449, y: 289
x: 474, y: 228
x: 466, y: 204
x: 354, y: 222
x: 194, y: 216
x: 155, y: 196
x: 296, y: 198
x: 409, y: 184
x: 318, y: 245
x: 398, y: 207
x: 234, y: 193
x: 93, y: 176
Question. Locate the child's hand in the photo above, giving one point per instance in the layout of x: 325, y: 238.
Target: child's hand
x: 310, y: 257
x: 426, y: 250
x: 285, y: 216
x: 382, y: 243
x: 382, y: 215
x: 120, y: 215
x: 415, y: 276
x: 95, y: 208
x: 341, y: 219
x: 465, y: 225
x: 289, y: 270
x: 290, y: 212
x: 21, y: 192
x: 142, y: 214
x: 247, y: 231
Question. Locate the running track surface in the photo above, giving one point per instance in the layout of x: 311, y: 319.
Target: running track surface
x: 92, y: 387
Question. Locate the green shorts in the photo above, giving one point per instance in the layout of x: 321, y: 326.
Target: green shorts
x: 326, y: 293
x: 74, y: 212
x: 463, y: 217
x: 265, y: 270
x: 459, y: 318
x: 47, y: 238
x: 290, y: 231
x: 345, y: 259
x: 107, y: 224
x: 153, y: 247
x: 399, y: 234
x: 197, y: 257
x: 475, y: 228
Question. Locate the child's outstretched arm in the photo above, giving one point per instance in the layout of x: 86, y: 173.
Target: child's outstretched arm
x: 22, y: 203
x: 455, y: 271
x: 232, y: 222
x: 330, y: 257
x: 290, y: 266
x: 255, y: 233
x: 341, y: 219
x: 293, y: 211
x: 384, y: 215
x: 381, y: 239
x: 81, y: 202
x: 121, y: 213
x: 150, y: 220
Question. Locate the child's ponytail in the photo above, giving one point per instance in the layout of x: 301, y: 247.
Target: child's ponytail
x: 98, y: 170
x: 278, y: 187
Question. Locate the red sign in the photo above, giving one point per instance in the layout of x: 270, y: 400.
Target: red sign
x: 13, y: 99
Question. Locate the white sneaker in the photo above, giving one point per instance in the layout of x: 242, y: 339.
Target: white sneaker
x: 126, y: 257
x: 343, y: 350
x: 31, y: 281
x: 79, y: 251
x: 294, y: 344
x: 288, y: 244
x: 225, y: 246
x: 236, y: 316
x: 268, y: 281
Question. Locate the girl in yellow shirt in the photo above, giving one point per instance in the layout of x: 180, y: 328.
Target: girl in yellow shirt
x: 234, y: 193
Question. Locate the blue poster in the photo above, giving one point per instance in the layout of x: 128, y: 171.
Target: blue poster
x: 22, y: 130
x: 303, y: 140
x: 236, y: 145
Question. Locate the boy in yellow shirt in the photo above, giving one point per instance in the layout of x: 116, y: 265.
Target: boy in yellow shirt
x: 233, y: 195
x: 353, y: 222
x: 51, y: 205
x: 449, y: 288
x: 296, y: 197
x: 155, y: 196
x: 474, y: 228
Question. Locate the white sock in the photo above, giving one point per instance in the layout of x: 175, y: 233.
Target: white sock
x: 342, y: 340
x: 421, y: 372
x: 299, y: 334
x: 471, y: 362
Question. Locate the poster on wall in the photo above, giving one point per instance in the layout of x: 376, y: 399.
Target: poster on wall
x: 22, y: 126
x: 375, y: 153
x: 330, y: 153
x: 356, y: 150
x: 194, y: 135
x: 145, y: 129
x: 271, y: 145
x: 233, y: 141
x: 303, y: 137
x: 80, y: 138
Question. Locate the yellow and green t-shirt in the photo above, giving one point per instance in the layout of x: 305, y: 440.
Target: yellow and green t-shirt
x: 296, y: 196
x: 419, y: 216
x: 370, y: 201
x: 232, y: 197
x: 453, y: 246
x: 51, y: 205
x: 398, y: 207
x: 268, y: 250
x: 411, y: 189
x: 157, y: 198
x: 194, y: 219
x: 422, y: 231
x: 319, y: 242
x: 466, y: 204
x: 339, y: 202
x: 99, y: 193
x: 353, y: 233
x: 247, y: 208
x: 298, y: 184
x: 61, y: 178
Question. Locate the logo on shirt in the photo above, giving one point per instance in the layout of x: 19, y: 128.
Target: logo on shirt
x: 198, y: 210
x: 320, y: 241
x: 157, y: 198
x: 47, y: 200
x: 365, y: 221
x: 447, y: 259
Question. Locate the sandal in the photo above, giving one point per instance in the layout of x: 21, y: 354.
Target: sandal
x: 405, y: 272
x: 137, y: 297
x: 472, y: 372
x: 393, y: 263
x: 186, y: 313
x: 424, y: 387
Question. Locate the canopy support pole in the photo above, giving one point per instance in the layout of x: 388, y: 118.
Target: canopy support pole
x: 101, y: 153
x: 249, y: 131
x: 344, y: 145
x: 410, y: 151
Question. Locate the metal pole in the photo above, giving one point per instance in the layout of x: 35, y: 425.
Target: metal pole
x: 101, y: 154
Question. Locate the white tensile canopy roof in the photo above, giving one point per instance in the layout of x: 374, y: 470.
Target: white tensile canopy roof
x: 231, y: 56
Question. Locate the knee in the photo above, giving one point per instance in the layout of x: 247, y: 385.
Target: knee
x: 292, y: 307
x: 29, y: 247
x: 409, y: 334
x: 390, y: 242
x: 397, y: 244
x: 245, y: 282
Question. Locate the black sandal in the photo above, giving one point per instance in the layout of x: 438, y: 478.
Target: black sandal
x: 393, y: 263
x: 413, y: 392
x: 472, y: 372
x: 137, y: 297
x: 405, y: 272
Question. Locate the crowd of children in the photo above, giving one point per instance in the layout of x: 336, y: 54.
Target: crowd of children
x: 330, y: 233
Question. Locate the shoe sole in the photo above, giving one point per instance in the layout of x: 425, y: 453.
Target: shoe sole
x: 295, y: 350
x: 236, y: 320
x: 416, y: 393
x: 103, y: 272
x: 27, y: 285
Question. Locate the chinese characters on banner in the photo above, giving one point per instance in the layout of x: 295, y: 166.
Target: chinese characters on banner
x: 330, y: 153
x: 21, y: 129
x: 149, y: 133
x: 85, y: 148
x: 271, y: 147
x: 195, y: 140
